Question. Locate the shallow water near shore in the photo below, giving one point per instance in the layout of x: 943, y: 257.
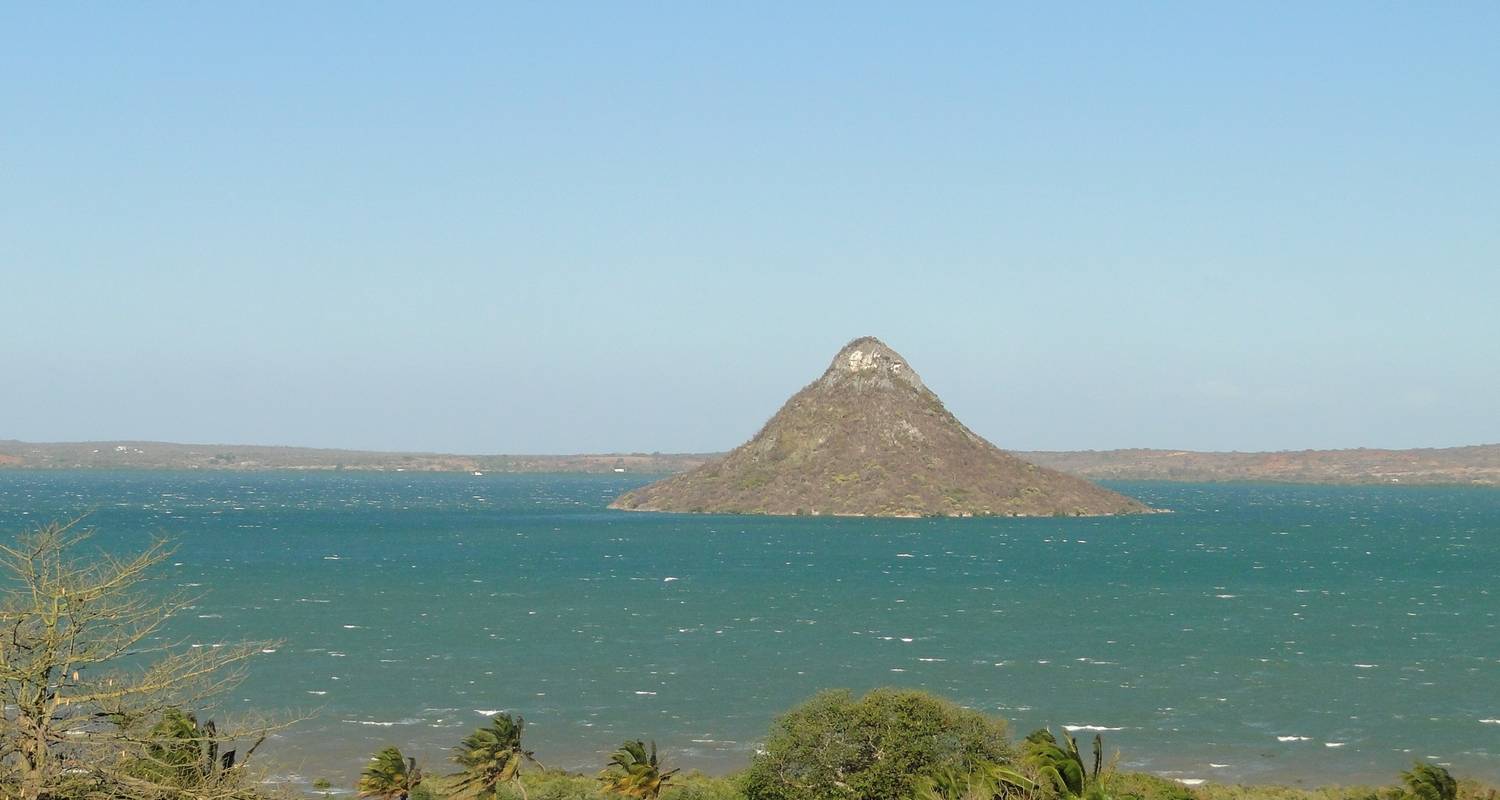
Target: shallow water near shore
x: 1261, y: 633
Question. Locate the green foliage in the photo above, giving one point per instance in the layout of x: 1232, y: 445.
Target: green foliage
x: 553, y: 786
x: 181, y: 754
x: 1058, y: 766
x: 1429, y: 782
x: 492, y: 755
x: 1147, y: 787
x: 697, y: 786
x: 389, y: 776
x: 633, y: 772
x: 558, y: 785
x: 984, y: 783
x: 835, y: 747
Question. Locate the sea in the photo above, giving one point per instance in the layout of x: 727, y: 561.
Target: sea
x: 1258, y: 633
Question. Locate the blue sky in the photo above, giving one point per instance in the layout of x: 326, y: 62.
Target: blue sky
x: 554, y: 227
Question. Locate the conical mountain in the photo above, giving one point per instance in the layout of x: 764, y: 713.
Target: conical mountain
x: 869, y: 438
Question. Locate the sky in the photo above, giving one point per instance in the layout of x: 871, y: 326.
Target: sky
x: 569, y: 227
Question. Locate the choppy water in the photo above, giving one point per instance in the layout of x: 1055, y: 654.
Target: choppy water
x: 1259, y: 633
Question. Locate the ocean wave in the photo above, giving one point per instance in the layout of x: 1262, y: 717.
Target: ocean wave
x: 1101, y: 728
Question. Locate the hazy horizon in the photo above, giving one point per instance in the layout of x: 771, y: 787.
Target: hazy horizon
x: 566, y: 453
x: 538, y: 229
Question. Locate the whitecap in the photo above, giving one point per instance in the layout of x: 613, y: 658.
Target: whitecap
x: 1217, y: 766
x: 646, y: 694
x: 1071, y: 728
x: 1490, y: 721
x: 668, y: 579
x: 486, y: 712
x: 1292, y: 738
x: 1190, y: 781
x: 1334, y: 744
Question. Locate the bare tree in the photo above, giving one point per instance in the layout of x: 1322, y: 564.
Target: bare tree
x: 93, y: 693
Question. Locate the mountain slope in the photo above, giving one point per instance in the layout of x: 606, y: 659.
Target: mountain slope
x: 869, y: 438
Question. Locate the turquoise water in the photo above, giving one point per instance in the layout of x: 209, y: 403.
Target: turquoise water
x: 1261, y: 633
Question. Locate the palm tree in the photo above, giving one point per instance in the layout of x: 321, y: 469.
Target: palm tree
x: 633, y: 772
x: 1429, y: 782
x: 987, y: 782
x: 952, y: 784
x: 183, y: 753
x: 389, y: 776
x: 1058, y: 769
x: 175, y: 749
x: 493, y: 755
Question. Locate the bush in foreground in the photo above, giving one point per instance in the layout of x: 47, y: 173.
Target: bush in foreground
x: 877, y: 747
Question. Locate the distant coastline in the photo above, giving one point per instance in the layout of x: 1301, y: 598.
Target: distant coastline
x: 1477, y: 465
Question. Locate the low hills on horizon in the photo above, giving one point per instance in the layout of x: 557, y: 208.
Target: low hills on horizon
x: 1475, y: 465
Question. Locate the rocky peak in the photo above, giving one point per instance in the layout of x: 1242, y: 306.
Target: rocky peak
x: 867, y: 361
x: 869, y: 439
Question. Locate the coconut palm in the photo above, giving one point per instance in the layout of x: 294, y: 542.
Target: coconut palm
x: 182, y: 753
x: 987, y: 782
x: 1429, y: 782
x: 493, y: 755
x: 953, y: 784
x: 179, y: 750
x: 1058, y: 766
x: 633, y: 772
x: 389, y: 776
